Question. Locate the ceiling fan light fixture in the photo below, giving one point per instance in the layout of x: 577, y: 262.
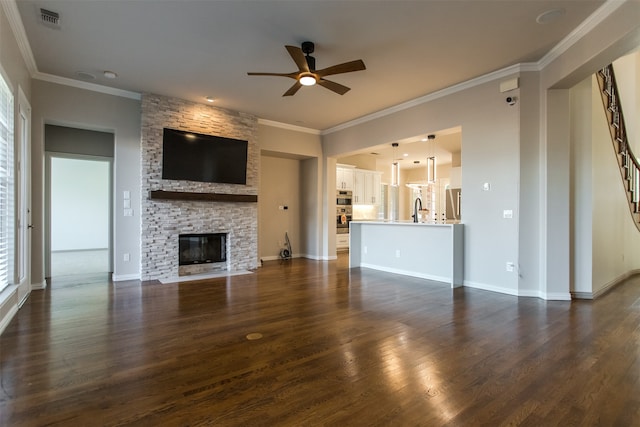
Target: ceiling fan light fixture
x: 307, y: 80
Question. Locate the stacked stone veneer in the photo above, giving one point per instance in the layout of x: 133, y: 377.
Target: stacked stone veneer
x: 163, y: 220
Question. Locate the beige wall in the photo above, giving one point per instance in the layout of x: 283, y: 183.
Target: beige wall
x: 68, y: 106
x: 280, y: 186
x: 301, y: 147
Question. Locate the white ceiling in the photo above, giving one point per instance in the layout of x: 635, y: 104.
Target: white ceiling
x: 195, y: 48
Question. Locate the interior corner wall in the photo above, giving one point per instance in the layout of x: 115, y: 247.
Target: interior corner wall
x: 581, y: 190
x: 68, y: 106
x: 528, y: 230
x: 279, y: 187
x: 310, y: 208
x: 557, y: 190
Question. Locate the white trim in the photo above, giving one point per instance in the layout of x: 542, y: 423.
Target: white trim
x: 15, y: 22
x: 490, y: 288
x: 319, y: 257
x: 123, y: 277
x: 87, y: 86
x: 39, y: 286
x: 288, y: 126
x: 7, y: 298
x: 580, y: 31
x: 486, y: 78
x: 4, y: 322
x: 445, y: 280
x: 556, y: 296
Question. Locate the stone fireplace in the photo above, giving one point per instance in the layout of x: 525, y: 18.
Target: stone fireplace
x: 165, y: 219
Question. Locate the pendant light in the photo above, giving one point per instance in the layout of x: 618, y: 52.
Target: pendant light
x: 395, y: 167
x: 431, y: 160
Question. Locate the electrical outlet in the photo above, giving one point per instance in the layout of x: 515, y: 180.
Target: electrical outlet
x: 397, y: 253
x: 125, y: 257
x: 510, y: 266
x: 365, y: 250
x: 486, y: 186
x: 507, y: 213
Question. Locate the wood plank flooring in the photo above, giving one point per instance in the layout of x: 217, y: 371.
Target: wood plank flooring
x: 338, y: 347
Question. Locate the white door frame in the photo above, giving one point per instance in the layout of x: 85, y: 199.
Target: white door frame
x: 23, y: 198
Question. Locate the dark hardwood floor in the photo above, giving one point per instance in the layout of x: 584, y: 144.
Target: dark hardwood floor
x: 338, y: 347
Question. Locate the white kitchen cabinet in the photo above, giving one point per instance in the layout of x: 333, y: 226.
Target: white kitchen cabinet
x: 344, y: 178
x: 366, y: 187
x: 342, y: 241
x: 372, y: 188
x: 358, y: 188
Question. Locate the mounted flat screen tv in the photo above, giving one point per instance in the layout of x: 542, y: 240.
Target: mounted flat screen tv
x: 204, y: 158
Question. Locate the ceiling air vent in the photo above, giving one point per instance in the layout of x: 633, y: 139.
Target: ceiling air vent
x: 49, y: 18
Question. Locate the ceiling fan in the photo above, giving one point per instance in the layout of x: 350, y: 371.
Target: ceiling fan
x: 307, y: 75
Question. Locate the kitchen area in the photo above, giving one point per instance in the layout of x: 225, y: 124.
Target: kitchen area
x: 398, y: 208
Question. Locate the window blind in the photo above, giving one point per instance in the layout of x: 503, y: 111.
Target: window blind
x: 6, y: 185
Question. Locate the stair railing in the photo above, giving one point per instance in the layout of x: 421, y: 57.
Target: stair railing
x: 628, y: 162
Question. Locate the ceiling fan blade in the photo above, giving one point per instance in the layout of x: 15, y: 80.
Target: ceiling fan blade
x: 333, y: 86
x: 346, y: 67
x: 290, y: 75
x: 298, y: 57
x: 293, y: 89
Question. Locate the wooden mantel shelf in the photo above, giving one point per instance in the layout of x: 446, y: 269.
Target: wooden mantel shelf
x: 201, y: 197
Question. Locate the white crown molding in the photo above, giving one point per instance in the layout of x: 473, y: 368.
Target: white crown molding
x: 88, y: 86
x: 580, y: 31
x: 15, y: 22
x: 288, y: 126
x: 499, y: 74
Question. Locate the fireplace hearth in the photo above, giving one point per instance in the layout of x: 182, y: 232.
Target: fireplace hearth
x: 202, y: 248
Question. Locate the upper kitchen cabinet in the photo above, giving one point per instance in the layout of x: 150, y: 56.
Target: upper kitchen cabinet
x: 345, y: 178
x: 366, y: 187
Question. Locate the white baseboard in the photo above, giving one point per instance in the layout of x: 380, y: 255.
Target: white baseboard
x: 4, y: 322
x: 8, y: 299
x: 39, y: 286
x: 551, y: 296
x: 446, y: 280
x: 123, y: 277
x: 607, y: 287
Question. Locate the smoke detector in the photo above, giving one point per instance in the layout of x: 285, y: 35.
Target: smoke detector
x: 50, y: 18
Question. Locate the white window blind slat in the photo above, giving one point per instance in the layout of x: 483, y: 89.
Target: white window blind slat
x: 6, y: 185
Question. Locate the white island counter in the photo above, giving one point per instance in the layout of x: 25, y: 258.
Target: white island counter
x: 429, y: 251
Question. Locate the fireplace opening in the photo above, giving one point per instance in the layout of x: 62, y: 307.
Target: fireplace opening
x: 202, y: 248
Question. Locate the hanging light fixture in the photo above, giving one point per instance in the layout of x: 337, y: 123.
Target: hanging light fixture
x: 431, y: 160
x: 395, y: 167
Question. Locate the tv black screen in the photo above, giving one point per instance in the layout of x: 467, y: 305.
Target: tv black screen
x: 204, y: 158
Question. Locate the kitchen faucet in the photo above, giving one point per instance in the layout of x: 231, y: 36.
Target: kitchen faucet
x: 415, y: 208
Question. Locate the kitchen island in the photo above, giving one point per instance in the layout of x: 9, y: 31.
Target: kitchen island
x: 429, y: 251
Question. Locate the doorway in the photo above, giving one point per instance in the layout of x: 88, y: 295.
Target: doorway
x: 80, y: 215
x: 78, y: 241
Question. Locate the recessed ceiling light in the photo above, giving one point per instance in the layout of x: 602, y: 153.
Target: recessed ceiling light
x: 423, y: 139
x: 406, y: 154
x: 210, y: 99
x: 550, y: 15
x: 110, y: 74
